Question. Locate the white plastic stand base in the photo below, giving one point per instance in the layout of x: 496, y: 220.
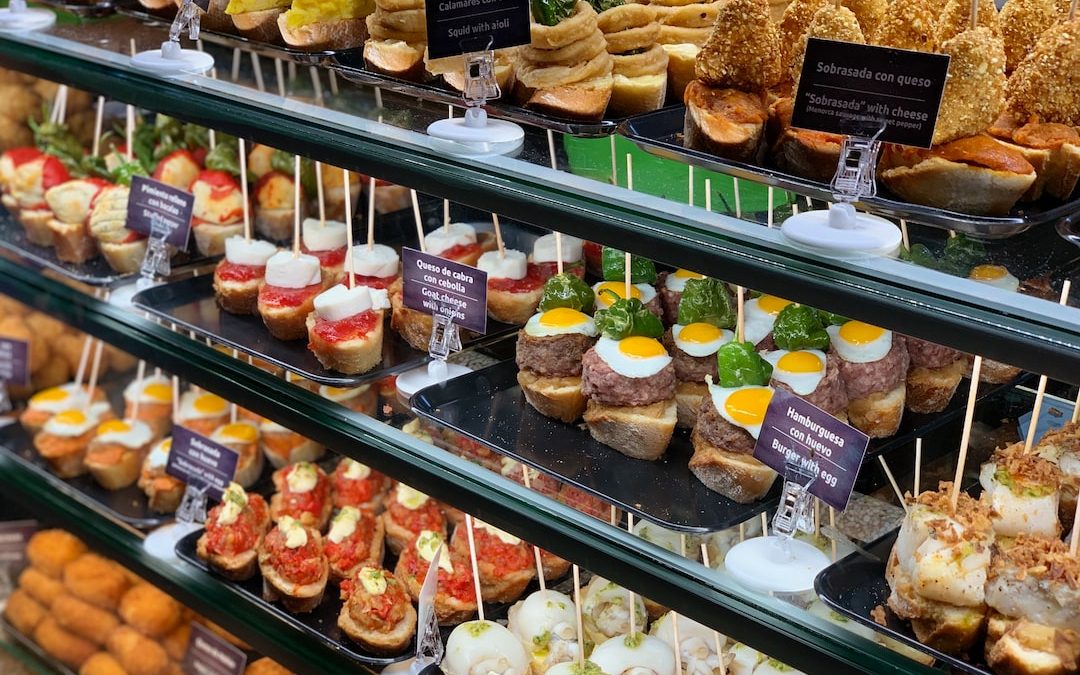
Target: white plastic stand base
x: 436, y: 371
x: 171, y: 59
x: 773, y: 564
x: 842, y: 232
x: 474, y: 135
x: 20, y: 20
x: 161, y: 543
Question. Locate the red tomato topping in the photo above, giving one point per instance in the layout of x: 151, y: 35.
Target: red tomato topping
x: 222, y: 183
x: 460, y: 251
x: 547, y: 270
x: 428, y: 517
x: 330, y: 258
x: 380, y: 283
x: 376, y: 612
x: 353, y: 549
x: 227, y: 271
x: 278, y: 296
x: 350, y: 328
x: 301, y: 565
x: 594, y: 252
x: 528, y: 283
x: 504, y: 557
x: 240, y: 535
x: 296, y: 503
x: 20, y: 156
x: 199, y: 155
x: 355, y: 491
x: 459, y: 584
x: 53, y: 172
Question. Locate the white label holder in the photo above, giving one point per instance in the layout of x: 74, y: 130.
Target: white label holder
x: 171, y: 58
x: 475, y: 135
x: 18, y: 18
x: 190, y: 516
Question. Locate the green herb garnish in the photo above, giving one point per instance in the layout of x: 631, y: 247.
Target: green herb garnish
x: 612, y: 263
x: 551, y: 12
x: 740, y: 366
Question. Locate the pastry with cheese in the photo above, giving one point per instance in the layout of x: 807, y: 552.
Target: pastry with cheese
x: 71, y: 204
x: 316, y: 25
x: 218, y: 211
x: 124, y: 249
x: 288, y: 296
x: 241, y: 273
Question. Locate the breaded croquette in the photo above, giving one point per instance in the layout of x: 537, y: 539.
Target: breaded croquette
x: 176, y: 642
x: 956, y: 18
x: 1046, y: 84
x: 40, y: 586
x: 83, y: 619
x: 102, y: 663
x: 1022, y: 22
x: 23, y: 612
x: 743, y: 51
x: 792, y: 28
x: 975, y: 87
x: 51, y: 550
x: 137, y: 654
x: 150, y: 611
x: 832, y: 23
x: 868, y: 12
x: 907, y: 24
x: 267, y: 666
x: 96, y: 580
x: 65, y: 647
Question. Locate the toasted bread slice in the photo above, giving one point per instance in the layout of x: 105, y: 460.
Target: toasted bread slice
x: 72, y: 242
x: 929, y: 390
x: 809, y: 154
x: 711, y: 126
x: 274, y: 224
x: 955, y: 186
x: 351, y: 357
x: 210, y: 238
x: 585, y: 100
x: 878, y: 415
x: 395, y: 58
x: 288, y: 323
x: 261, y: 25
x: 238, y: 297
x: 340, y: 34
x: 641, y: 432
x: 635, y: 95
x: 36, y: 224
x: 239, y: 567
x: 688, y: 397
x: 124, y: 258
x: 513, y: 308
x: 390, y: 643
x: 737, y: 476
x: 556, y: 397
x: 296, y: 599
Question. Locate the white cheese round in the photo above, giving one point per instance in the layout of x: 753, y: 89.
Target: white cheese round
x: 323, y: 236
x: 340, y: 302
x: 544, y: 249
x: 378, y: 261
x: 445, y: 238
x: 511, y: 265
x: 287, y: 271
x: 253, y: 252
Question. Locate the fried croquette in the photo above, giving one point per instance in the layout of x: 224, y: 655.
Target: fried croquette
x: 1046, y: 84
x: 743, y: 51
x: 266, y: 666
x: 1022, y: 22
x: 176, y: 642
x: 956, y: 18
x: 150, y: 611
x: 102, y: 663
x: 65, y: 647
x: 50, y: 551
x: 96, y: 580
x: 40, y: 586
x: 83, y: 619
x: 137, y: 654
x: 23, y: 612
x: 831, y: 23
x: 975, y: 86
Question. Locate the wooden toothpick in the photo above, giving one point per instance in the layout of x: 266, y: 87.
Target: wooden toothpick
x: 740, y: 315
x: 965, y: 436
x: 320, y: 192
x: 536, y: 549
x: 892, y: 482
x: 244, y: 187
x: 139, y: 375
x: 475, y: 569
x: 716, y: 634
x: 348, y: 230
x: 370, y: 213
x: 99, y: 114
x: 419, y: 220
x: 498, y: 235
x: 918, y: 466
x: 296, y: 203
x: 1033, y: 425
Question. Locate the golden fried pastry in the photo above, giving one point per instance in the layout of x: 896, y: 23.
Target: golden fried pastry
x: 975, y: 87
x: 23, y: 612
x: 51, y: 550
x: 40, y: 586
x: 150, y: 611
x: 83, y: 619
x: 792, y: 28
x: 102, y: 663
x: 832, y: 23
x: 138, y: 655
x: 743, y: 52
x: 68, y: 347
x: 69, y: 649
x: 267, y: 666
x: 868, y: 12
x: 176, y: 642
x: 43, y: 325
x: 1046, y: 84
x: 96, y: 580
x: 1022, y: 22
x: 956, y: 18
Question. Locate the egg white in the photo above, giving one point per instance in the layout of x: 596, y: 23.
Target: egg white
x: 757, y: 323
x: 651, y: 655
x: 1005, y: 282
x: 534, y: 327
x: 801, y: 383
x: 137, y: 435
x: 628, y: 366
x: 700, y: 348
x: 159, y: 456
x: 856, y: 353
x: 137, y: 389
x: 188, y: 411
x: 71, y: 397
x: 674, y: 283
x: 719, y: 398
x: 484, y: 646
x: 603, y: 301
x: 57, y: 426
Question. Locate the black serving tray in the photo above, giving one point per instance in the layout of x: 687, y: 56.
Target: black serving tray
x: 94, y: 8
x: 660, y: 133
x: 855, y: 585
x: 488, y: 407
x: 27, y: 643
x: 128, y: 505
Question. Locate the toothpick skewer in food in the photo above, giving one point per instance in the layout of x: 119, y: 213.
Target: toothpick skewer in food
x: 84, y: 359
x: 1074, y: 535
x: 175, y: 396
x: 577, y: 617
x: 764, y: 524
x: 316, y: 83
x: 498, y: 235
x: 892, y: 482
x: 370, y: 213
x: 536, y: 549
x: 378, y: 101
x: 296, y: 206
x: 965, y: 436
x: 904, y: 235
x: 348, y: 230
x: 242, y: 144
x: 1040, y: 392
x: 234, y: 410
x: 446, y: 215
x: 321, y: 193
x: 630, y: 529
x: 140, y: 374
x: 918, y: 466
x: 551, y: 150
x: 740, y: 310
x: 235, y: 72
x: 418, y: 219
x: 832, y: 528
x: 689, y: 183
x: 558, y: 252
x: 95, y: 368
x: 769, y: 221
x: 475, y: 569
x: 129, y: 131
x: 98, y: 115
x: 716, y: 634
x: 333, y: 82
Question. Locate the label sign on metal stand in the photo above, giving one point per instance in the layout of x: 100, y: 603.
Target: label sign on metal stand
x: 434, y: 285
x: 460, y: 26
x: 800, y: 432
x: 197, y: 460
x: 844, y: 86
x: 157, y: 209
x: 208, y: 654
x: 15, y: 362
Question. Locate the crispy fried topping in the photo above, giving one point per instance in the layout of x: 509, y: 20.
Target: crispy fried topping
x: 1025, y: 471
x: 831, y: 23
x: 1022, y: 22
x: 907, y: 24
x: 868, y: 12
x: 743, y: 51
x: 975, y: 86
x: 878, y: 615
x: 956, y: 18
x: 1039, y: 557
x: 970, y: 514
x: 1047, y: 81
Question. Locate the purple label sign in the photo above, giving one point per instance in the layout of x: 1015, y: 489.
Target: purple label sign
x: 13, y: 537
x: 208, y: 654
x: 15, y: 361
x: 159, y: 210
x: 197, y: 460
x: 800, y: 432
x: 437, y: 286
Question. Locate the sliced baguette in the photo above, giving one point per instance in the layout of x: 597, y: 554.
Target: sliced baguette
x: 555, y: 397
x: 390, y: 643
x: 351, y: 357
x: 323, y: 35
x: 878, y: 415
x: 395, y: 58
x: 929, y: 390
x: 688, y: 397
x: 737, y: 476
x: 513, y: 308
x: 641, y: 432
x: 239, y: 567
x: 261, y: 25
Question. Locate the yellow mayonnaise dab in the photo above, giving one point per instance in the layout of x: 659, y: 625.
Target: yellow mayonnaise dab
x: 354, y: 470
x: 295, y: 534
x: 373, y: 580
x: 70, y: 417
x: 209, y: 404
x: 618, y: 288
x: 158, y: 391
x: 639, y: 347
x: 747, y: 406
x: 859, y: 333
x: 987, y: 272
x: 562, y: 317
x: 700, y: 333
x: 800, y: 362
x: 428, y: 543
x: 687, y: 274
x: 410, y: 498
x: 50, y: 395
x: 344, y: 524
x: 113, y: 427
x: 772, y: 304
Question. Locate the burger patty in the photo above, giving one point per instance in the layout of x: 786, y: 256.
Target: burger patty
x: 554, y: 355
x: 689, y: 368
x: 603, y: 385
x: 670, y: 301
x: 885, y: 374
x: 925, y: 354
x: 717, y: 431
x: 830, y: 394
x: 766, y: 344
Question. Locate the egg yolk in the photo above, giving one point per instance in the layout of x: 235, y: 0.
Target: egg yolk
x: 859, y: 333
x: 562, y: 317
x: 747, y: 406
x: 210, y: 404
x: 166, y: 444
x: 687, y: 274
x: 337, y: 391
x: 71, y: 417
x: 638, y: 347
x: 113, y: 427
x: 988, y: 272
x: 700, y: 333
x: 618, y: 288
x: 772, y: 304
x: 51, y: 395
x: 800, y: 362
x: 158, y: 391
x: 243, y: 433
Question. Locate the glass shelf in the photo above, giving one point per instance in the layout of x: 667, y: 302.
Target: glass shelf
x: 346, y: 129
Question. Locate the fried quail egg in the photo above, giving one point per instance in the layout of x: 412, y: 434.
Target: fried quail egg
x: 801, y: 370
x: 700, y: 339
x: 200, y: 405
x: 643, y: 292
x: 676, y: 281
x: 57, y: 399
x: 129, y: 433
x: 560, y: 321
x: 994, y: 275
x: 237, y: 432
x: 760, y: 315
x: 859, y: 342
x: 74, y: 422
x: 634, y: 356
x: 153, y: 389
x: 742, y: 406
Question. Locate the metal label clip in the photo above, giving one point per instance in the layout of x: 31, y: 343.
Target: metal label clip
x: 796, y: 510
